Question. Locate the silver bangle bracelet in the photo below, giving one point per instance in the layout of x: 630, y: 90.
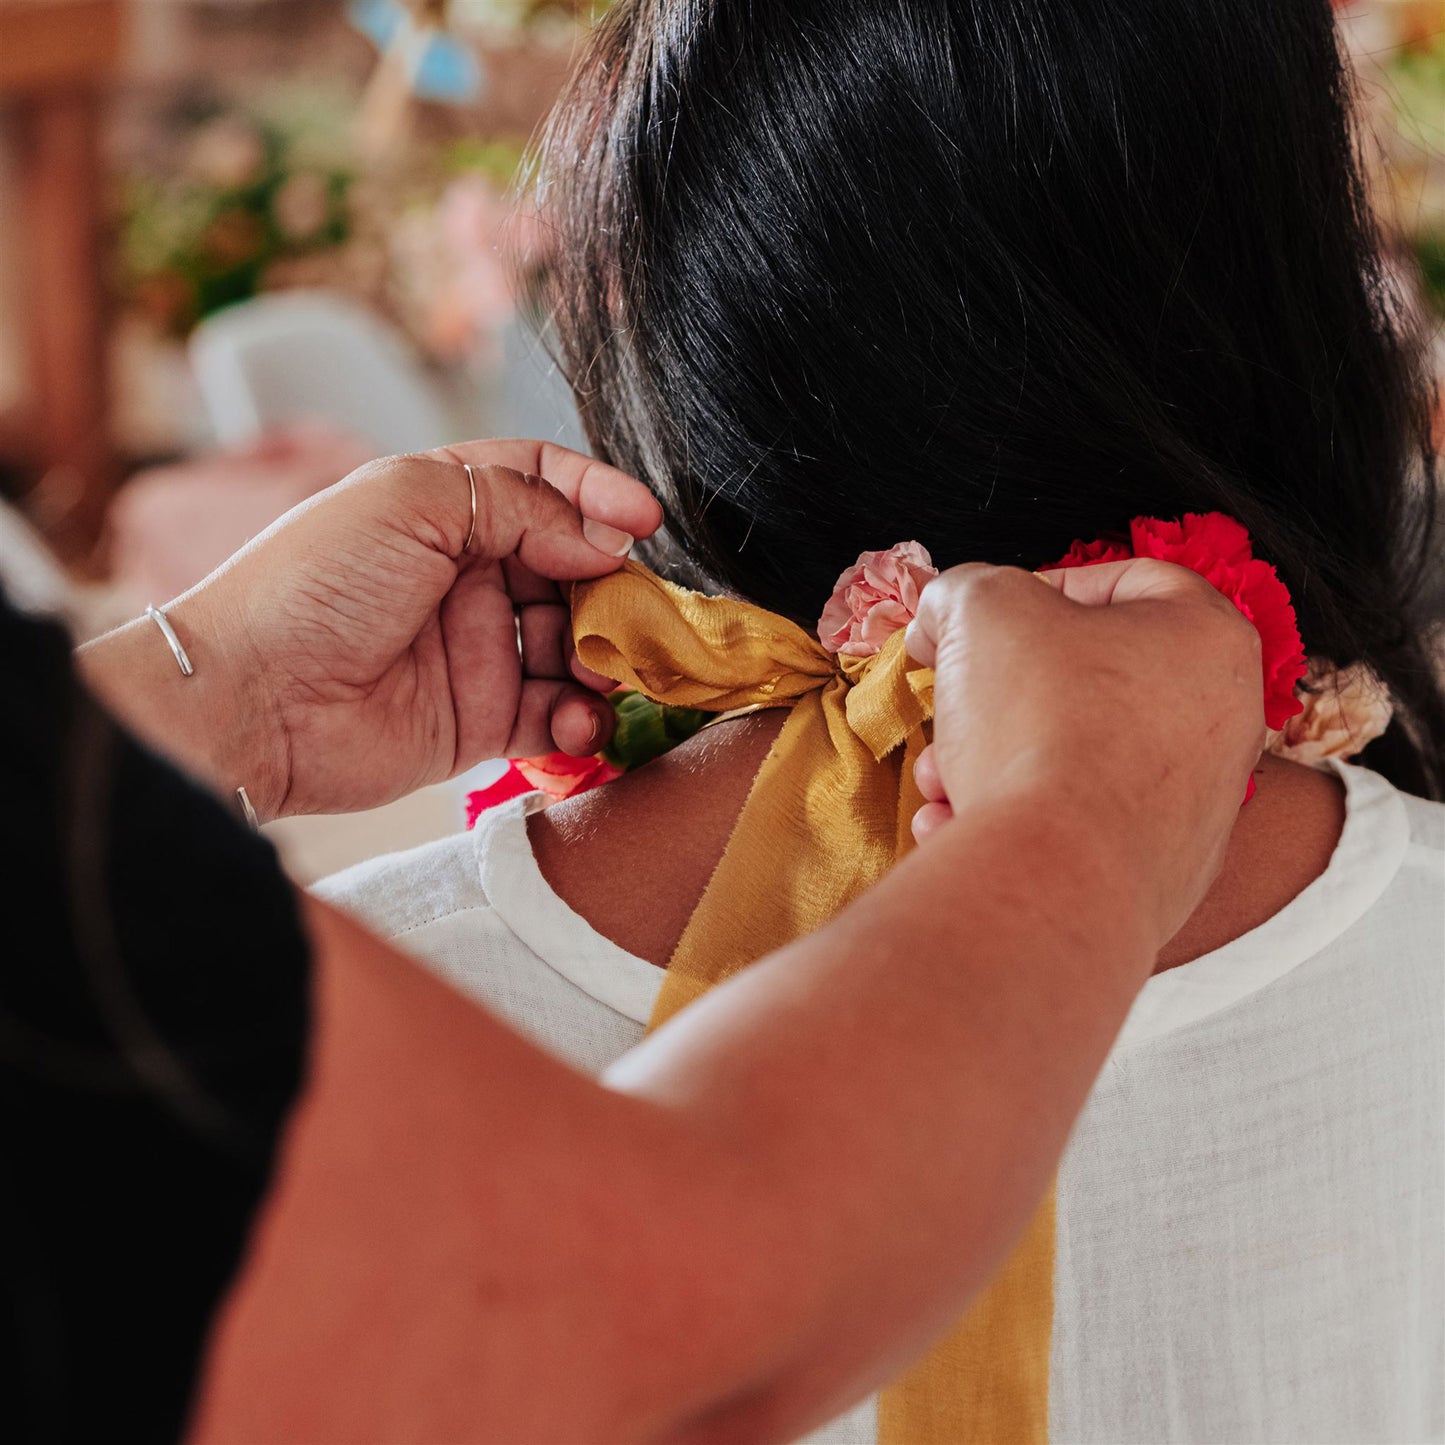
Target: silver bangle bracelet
x: 183, y: 661
x: 172, y: 641
x: 248, y: 813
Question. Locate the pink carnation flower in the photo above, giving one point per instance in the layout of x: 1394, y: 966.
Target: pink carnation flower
x: 875, y: 598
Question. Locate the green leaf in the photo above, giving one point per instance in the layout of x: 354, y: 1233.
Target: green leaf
x: 646, y: 729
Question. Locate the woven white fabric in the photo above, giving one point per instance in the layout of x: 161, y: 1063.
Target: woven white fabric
x: 1252, y: 1209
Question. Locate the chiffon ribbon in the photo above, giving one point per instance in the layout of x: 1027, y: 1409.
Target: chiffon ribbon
x: 828, y: 815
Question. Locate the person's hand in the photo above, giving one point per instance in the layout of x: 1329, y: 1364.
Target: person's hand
x: 352, y: 652
x: 1128, y: 694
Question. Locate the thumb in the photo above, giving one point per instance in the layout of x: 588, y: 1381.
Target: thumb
x: 949, y: 599
x: 521, y: 514
x: 1135, y: 579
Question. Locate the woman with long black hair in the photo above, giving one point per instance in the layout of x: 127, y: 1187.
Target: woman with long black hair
x: 262, y: 1178
x: 1015, y: 281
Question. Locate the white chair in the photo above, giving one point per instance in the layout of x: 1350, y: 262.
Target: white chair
x: 315, y: 356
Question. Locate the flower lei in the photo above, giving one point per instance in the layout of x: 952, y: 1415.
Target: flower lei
x: 1218, y: 548
x: 1312, y: 709
x: 644, y: 730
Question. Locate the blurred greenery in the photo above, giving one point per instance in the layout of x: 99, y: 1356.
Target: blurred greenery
x: 251, y: 189
x: 498, y: 159
x: 1430, y: 254
x: 1416, y: 73
x: 522, y: 15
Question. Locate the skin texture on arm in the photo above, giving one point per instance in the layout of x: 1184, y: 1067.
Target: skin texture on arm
x: 467, y: 1241
x: 782, y: 1195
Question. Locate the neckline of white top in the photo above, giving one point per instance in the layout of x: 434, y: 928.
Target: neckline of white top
x: 525, y: 902
x: 1370, y: 850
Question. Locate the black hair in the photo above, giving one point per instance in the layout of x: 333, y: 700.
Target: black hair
x: 996, y: 275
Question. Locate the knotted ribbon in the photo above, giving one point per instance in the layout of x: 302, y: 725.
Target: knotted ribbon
x: 828, y: 815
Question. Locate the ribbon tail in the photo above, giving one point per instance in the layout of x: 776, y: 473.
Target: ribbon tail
x: 987, y: 1381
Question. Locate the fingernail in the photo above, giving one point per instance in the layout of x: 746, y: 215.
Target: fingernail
x: 611, y: 540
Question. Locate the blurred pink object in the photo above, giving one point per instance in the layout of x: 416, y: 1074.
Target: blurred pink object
x: 455, y: 266
x: 171, y: 525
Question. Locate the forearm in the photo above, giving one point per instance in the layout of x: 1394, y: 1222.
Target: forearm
x: 779, y: 1199
x: 897, y: 1090
x: 211, y: 724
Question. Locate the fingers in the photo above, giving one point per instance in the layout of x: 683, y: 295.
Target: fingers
x: 579, y: 720
x: 589, y: 679
x: 1092, y: 586
x: 598, y: 491
x: 1136, y: 579
x: 943, y: 599
x: 521, y: 515
x: 929, y: 819
x: 582, y: 723
x: 926, y: 777
x: 545, y: 632
x: 1140, y: 714
x: 497, y: 655
x: 559, y: 716
x: 525, y: 586
x: 935, y: 811
x: 484, y: 667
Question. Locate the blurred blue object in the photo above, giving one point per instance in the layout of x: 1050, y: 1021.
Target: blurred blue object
x: 439, y: 67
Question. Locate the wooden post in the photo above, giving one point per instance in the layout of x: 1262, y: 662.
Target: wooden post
x: 56, y: 59
x: 63, y: 199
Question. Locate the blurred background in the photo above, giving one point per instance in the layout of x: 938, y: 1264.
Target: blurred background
x: 248, y: 244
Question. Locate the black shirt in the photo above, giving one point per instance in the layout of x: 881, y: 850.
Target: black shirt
x: 153, y: 1021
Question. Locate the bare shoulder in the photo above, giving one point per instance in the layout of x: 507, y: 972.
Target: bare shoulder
x: 1427, y: 823
x: 1282, y: 842
x: 633, y: 858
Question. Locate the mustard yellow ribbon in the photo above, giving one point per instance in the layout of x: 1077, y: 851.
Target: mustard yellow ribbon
x: 827, y: 816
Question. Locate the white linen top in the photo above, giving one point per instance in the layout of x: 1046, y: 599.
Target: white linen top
x: 1251, y: 1211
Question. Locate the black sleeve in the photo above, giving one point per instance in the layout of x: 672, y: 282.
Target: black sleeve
x: 153, y: 1022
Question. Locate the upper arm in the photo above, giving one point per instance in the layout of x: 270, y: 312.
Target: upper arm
x: 469, y: 1239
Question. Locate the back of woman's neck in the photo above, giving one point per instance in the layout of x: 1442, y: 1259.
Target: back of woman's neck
x: 633, y: 858
x: 1281, y: 844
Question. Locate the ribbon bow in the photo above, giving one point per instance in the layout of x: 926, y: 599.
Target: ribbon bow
x: 830, y: 811
x: 829, y: 814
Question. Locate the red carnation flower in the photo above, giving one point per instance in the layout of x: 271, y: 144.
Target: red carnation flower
x: 1218, y: 548
x: 510, y: 785
x: 1086, y: 554
x: 559, y: 775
